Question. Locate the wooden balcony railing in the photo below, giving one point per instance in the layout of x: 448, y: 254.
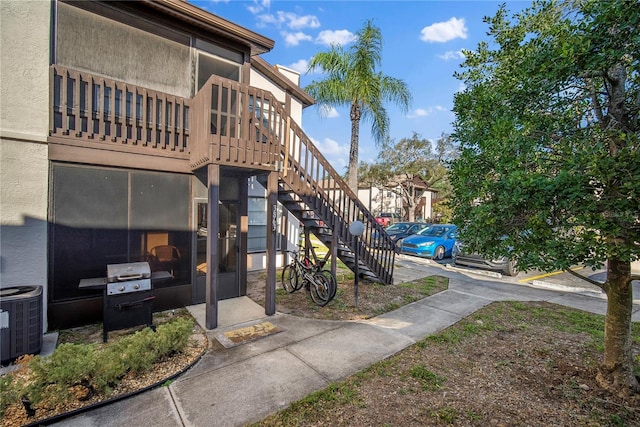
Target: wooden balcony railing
x: 86, y: 107
x: 236, y: 124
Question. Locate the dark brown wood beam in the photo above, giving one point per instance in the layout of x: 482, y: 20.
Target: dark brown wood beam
x: 272, y: 237
x: 213, y: 229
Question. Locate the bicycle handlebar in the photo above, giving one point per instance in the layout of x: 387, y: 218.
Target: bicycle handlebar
x: 312, y: 265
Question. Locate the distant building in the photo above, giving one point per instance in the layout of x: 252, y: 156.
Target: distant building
x: 378, y: 200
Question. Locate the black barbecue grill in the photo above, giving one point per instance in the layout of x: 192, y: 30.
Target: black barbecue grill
x: 128, y: 297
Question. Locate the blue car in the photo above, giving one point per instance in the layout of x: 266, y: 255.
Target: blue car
x: 435, y: 242
x: 398, y: 232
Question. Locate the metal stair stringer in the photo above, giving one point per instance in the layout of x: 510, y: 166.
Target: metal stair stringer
x: 322, y: 230
x: 308, y: 183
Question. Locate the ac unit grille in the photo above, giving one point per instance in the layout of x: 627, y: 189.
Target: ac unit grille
x: 21, y: 324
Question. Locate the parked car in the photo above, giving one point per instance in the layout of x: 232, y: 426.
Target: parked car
x: 503, y: 264
x: 387, y: 218
x: 400, y: 230
x: 435, y: 241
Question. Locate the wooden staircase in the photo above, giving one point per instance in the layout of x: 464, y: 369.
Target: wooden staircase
x: 321, y: 200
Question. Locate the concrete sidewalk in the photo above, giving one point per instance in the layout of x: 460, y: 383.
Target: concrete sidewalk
x: 247, y: 382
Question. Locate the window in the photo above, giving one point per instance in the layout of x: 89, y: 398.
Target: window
x: 103, y: 216
x: 219, y: 51
x: 209, y: 65
x: 265, y: 118
x: 258, y: 225
x: 225, y: 105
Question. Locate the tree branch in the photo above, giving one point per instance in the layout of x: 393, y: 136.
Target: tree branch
x: 592, y: 74
x: 594, y: 100
x: 593, y: 282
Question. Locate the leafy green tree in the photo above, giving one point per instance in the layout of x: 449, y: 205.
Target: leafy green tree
x: 352, y: 79
x: 548, y: 128
x: 447, y: 150
x: 408, y: 168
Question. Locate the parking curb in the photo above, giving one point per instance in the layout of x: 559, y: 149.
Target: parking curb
x: 559, y: 287
x: 479, y: 272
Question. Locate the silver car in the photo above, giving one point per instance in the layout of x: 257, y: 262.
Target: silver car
x: 503, y: 264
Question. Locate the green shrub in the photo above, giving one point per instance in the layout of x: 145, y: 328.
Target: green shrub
x: 52, y: 378
x: 135, y: 350
x: 108, y: 370
x: 9, y: 390
x: 173, y: 336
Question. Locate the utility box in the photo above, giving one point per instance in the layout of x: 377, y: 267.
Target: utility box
x: 20, y: 321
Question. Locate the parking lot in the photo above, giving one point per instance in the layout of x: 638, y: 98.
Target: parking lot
x: 555, y: 280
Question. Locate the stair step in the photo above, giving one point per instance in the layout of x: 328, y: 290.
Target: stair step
x: 295, y: 209
x: 300, y: 197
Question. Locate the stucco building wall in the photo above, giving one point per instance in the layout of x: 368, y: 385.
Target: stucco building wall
x: 24, y: 123
x: 86, y: 41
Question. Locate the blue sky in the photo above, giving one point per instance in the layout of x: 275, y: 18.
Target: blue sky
x: 422, y: 43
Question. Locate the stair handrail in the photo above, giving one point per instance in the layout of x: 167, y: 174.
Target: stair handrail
x: 316, y: 177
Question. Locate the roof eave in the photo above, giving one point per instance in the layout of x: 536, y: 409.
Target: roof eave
x: 194, y: 15
x: 264, y: 67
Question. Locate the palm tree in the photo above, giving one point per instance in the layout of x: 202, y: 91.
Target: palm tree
x: 352, y: 80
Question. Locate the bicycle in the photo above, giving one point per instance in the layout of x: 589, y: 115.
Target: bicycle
x: 303, y: 272
x: 331, y: 277
x: 319, y: 266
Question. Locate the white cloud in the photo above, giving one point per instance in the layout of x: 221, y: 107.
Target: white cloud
x: 424, y: 112
x: 300, y: 66
x: 258, y: 6
x: 328, y: 112
x: 297, y: 22
x: 266, y: 20
x: 294, y: 39
x: 341, y: 37
x: 444, y: 31
x: 335, y: 153
x: 289, y: 20
x: 418, y: 112
x: 458, y: 54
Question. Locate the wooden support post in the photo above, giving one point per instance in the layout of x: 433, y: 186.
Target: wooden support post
x: 213, y: 230
x: 307, y: 241
x: 334, y: 252
x: 272, y: 236
x: 287, y: 131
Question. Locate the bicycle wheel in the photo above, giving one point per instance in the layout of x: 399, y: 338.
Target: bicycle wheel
x: 319, y: 289
x: 332, y: 282
x: 300, y: 280
x: 290, y: 278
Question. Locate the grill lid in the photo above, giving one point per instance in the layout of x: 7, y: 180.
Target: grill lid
x: 128, y: 271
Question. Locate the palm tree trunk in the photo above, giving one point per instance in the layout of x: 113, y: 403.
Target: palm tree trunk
x: 352, y: 177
